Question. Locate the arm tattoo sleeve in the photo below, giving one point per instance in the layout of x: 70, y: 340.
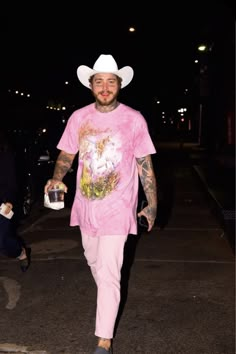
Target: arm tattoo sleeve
x: 63, y: 165
x: 148, y: 180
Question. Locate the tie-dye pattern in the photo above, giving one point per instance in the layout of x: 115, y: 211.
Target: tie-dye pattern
x: 107, y: 182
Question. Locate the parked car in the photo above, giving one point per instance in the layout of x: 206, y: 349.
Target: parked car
x: 36, y: 153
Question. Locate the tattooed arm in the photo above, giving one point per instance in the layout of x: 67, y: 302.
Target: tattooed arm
x: 62, y: 166
x: 148, y: 181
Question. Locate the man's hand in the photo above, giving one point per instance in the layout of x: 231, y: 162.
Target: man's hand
x: 7, y: 208
x: 53, y: 183
x: 150, y: 214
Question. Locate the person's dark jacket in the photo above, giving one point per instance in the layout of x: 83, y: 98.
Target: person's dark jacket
x: 8, y: 183
x: 8, y: 186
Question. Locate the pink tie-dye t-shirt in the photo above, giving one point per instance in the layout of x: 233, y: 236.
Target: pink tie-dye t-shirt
x: 107, y: 182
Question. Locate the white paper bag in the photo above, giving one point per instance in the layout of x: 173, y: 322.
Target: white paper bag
x: 55, y: 205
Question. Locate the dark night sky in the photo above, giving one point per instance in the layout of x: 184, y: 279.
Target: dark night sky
x: 44, y: 45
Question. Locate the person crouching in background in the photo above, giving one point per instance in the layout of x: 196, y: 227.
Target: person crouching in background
x: 11, y: 245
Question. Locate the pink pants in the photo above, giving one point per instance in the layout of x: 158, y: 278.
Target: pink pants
x: 105, y: 255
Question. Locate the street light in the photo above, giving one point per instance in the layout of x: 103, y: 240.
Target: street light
x: 203, y: 84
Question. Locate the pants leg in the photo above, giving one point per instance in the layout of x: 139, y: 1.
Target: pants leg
x: 90, y: 245
x: 10, y: 244
x: 104, y: 255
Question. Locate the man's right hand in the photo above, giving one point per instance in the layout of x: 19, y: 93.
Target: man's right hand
x: 54, y: 183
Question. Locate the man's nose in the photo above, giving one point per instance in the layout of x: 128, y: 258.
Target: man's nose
x: 105, y: 85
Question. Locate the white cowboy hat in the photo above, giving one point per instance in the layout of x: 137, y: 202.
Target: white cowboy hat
x: 105, y: 64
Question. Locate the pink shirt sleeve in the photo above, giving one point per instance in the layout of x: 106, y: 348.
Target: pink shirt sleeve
x: 143, y: 144
x: 69, y: 141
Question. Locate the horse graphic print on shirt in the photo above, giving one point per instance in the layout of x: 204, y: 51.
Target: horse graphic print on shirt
x: 100, y: 155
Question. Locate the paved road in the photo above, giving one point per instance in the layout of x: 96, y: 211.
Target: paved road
x: 178, y: 281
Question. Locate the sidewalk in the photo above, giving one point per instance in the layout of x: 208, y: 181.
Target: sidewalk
x: 177, y: 282
x: 217, y: 174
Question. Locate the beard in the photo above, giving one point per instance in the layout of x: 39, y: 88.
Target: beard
x: 106, y: 101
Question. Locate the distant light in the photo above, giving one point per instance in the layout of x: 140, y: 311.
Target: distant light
x: 196, y: 61
x: 202, y: 48
x: 66, y: 82
x: 158, y: 102
x: 132, y: 29
x: 63, y: 108
x: 189, y: 125
x: 180, y: 110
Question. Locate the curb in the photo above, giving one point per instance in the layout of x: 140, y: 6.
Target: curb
x: 223, y: 215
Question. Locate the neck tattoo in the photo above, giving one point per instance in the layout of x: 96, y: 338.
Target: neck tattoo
x: 106, y: 109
